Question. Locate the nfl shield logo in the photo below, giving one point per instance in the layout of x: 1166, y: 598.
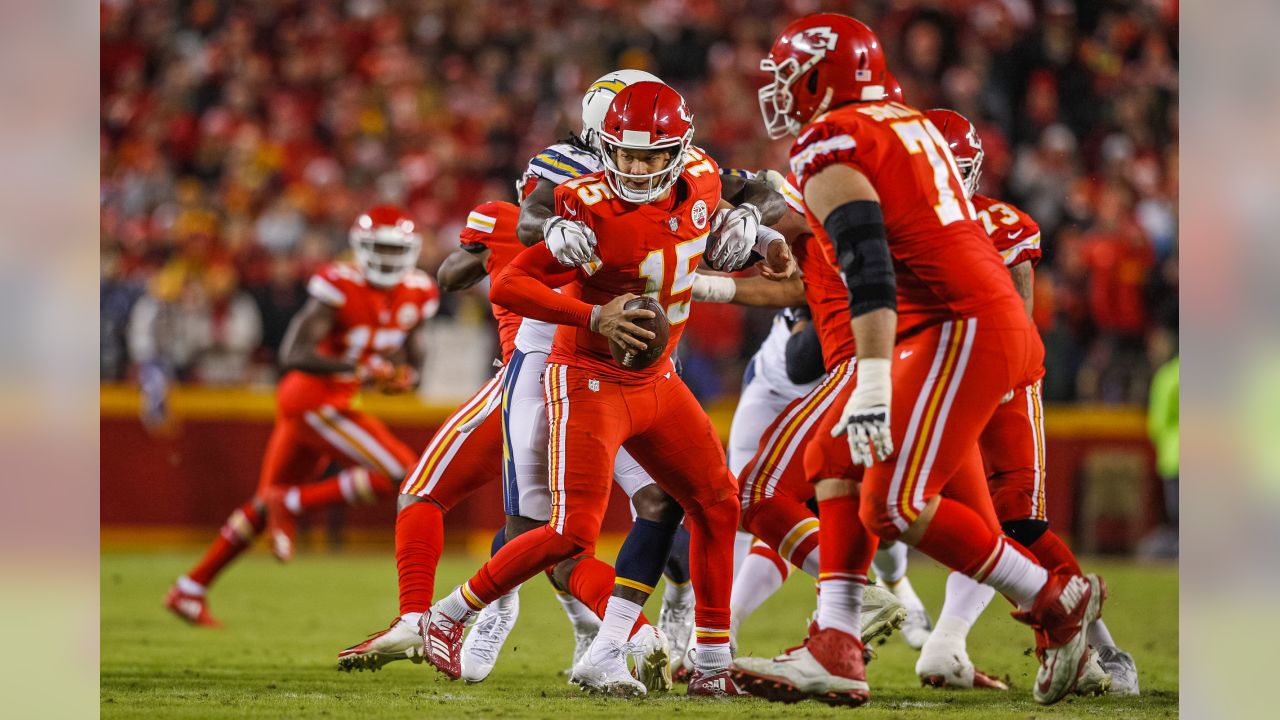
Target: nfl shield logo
x: 593, y: 385
x: 673, y: 223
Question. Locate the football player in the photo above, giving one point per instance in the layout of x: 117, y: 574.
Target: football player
x: 652, y: 209
x: 942, y: 337
x: 363, y: 325
x: 1013, y: 447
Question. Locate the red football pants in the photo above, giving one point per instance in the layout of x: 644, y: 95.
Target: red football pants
x: 1013, y: 447
x: 302, y: 445
x: 947, y: 383
x: 456, y: 463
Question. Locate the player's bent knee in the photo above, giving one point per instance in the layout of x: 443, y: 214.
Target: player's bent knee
x: 405, y: 500
x: 580, y: 531
x: 1025, y: 532
x: 875, y: 517
x: 653, y: 503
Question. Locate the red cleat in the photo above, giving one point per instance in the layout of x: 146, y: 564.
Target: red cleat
x: 191, y: 608
x: 717, y: 684
x: 442, y: 642
x: 828, y: 668
x: 282, y: 525
x: 1065, y: 607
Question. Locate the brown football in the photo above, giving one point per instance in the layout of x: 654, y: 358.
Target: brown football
x: 658, y: 325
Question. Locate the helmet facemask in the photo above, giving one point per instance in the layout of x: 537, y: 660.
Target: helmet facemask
x: 656, y: 183
x: 970, y: 172
x: 385, y: 253
x: 776, y: 99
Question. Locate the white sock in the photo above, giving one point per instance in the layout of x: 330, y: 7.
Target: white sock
x: 502, y: 603
x: 966, y: 599
x: 455, y: 606
x: 810, y: 562
x: 904, y: 591
x: 711, y: 658
x: 756, y: 582
x: 840, y: 605
x: 190, y: 587
x: 293, y: 500
x: 579, y: 614
x: 677, y: 593
x: 1099, y: 635
x: 619, y: 618
x: 890, y: 563
x: 742, y: 543
x: 1016, y: 577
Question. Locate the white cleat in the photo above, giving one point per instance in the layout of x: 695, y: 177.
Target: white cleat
x: 944, y: 663
x: 1094, y: 680
x: 676, y: 622
x: 1064, y: 608
x: 400, y: 641
x: 652, y: 659
x: 604, y: 670
x: 882, y: 613
x: 582, y: 639
x: 1121, y: 668
x: 488, y: 633
x: 917, y: 627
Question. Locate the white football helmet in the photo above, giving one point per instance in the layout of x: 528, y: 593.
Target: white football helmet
x: 601, y: 93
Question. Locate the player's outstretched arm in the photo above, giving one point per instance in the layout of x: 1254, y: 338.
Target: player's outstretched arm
x: 462, y: 269
x: 525, y: 287
x: 537, y: 207
x: 299, y: 350
x: 755, y: 291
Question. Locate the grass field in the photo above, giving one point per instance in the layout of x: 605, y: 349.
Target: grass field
x: 275, y: 657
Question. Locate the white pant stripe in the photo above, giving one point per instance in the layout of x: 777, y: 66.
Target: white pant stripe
x: 365, y: 441
x: 913, y: 427
x: 940, y: 423
x: 447, y: 433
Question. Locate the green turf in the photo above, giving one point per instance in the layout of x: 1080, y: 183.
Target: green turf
x: 275, y: 657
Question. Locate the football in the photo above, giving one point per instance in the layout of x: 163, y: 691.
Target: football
x: 658, y: 325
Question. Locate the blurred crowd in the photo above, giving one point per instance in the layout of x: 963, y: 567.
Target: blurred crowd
x: 240, y: 139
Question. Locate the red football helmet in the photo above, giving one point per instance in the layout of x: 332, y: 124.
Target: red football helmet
x: 385, y: 244
x: 819, y: 62
x: 966, y: 146
x: 892, y: 89
x: 646, y: 116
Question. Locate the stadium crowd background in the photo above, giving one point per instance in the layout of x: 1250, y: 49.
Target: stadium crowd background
x: 239, y: 140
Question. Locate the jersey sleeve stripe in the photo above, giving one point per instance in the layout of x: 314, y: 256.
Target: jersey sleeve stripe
x: 792, y: 196
x: 326, y: 292
x: 1031, y: 243
x: 832, y: 144
x: 562, y: 162
x: 482, y: 223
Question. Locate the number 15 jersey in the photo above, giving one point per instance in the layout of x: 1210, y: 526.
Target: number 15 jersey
x: 946, y: 265
x: 650, y: 249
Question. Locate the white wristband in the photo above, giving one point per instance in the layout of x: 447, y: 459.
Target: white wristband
x: 875, y: 379
x: 766, y: 236
x: 713, y: 288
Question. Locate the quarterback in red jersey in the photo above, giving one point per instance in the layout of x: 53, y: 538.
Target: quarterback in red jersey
x: 1013, y: 448
x: 362, y: 325
x: 942, y: 337
x: 651, y: 210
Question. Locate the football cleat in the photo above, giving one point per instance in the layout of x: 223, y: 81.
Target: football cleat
x: 882, y: 613
x: 652, y: 659
x: 603, y: 669
x: 1064, y: 608
x: 400, y: 641
x: 676, y: 621
x: 717, y: 684
x: 1094, y: 680
x: 582, y: 639
x: 282, y: 525
x: 944, y: 663
x: 441, y: 638
x: 917, y: 627
x: 191, y: 608
x: 828, y: 667
x: 488, y: 634
x: 1121, y: 668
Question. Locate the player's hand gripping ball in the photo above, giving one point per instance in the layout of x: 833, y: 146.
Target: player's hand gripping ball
x: 624, y: 346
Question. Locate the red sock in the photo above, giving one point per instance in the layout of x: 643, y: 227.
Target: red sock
x: 958, y: 538
x: 237, y: 533
x: 419, y: 543
x: 591, y: 581
x: 711, y: 531
x: 1054, y: 555
x: 353, y: 486
x: 786, y: 525
x: 518, y: 560
x: 847, y: 545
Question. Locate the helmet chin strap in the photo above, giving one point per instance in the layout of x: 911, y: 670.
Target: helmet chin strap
x: 822, y: 107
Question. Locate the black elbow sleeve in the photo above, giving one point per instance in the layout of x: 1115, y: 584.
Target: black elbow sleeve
x: 804, y: 357
x: 862, y: 249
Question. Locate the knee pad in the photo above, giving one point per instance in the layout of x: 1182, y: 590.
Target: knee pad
x: 580, y: 530
x: 1025, y: 532
x: 726, y: 510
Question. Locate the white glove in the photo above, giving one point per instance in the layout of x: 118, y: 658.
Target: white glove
x: 866, y: 415
x: 571, y: 241
x: 735, y: 230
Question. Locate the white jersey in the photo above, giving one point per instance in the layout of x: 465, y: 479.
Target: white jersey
x: 771, y: 361
x: 559, y: 163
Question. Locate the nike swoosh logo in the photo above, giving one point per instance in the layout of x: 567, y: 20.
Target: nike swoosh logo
x: 571, y: 211
x: 905, y: 354
x: 1015, y: 236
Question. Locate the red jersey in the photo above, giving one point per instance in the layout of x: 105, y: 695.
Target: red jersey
x: 824, y: 289
x: 945, y: 264
x: 1015, y: 234
x: 492, y: 226
x: 650, y: 249
x: 369, y: 321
